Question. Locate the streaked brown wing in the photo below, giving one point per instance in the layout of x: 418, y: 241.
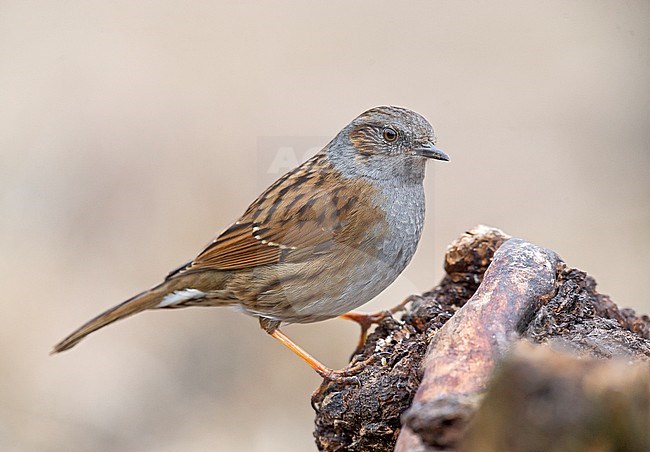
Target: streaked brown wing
x: 303, y: 212
x: 236, y: 248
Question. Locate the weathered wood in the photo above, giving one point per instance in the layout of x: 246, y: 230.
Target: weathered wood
x: 462, y: 355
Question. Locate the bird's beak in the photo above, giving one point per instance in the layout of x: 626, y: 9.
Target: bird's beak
x: 429, y: 151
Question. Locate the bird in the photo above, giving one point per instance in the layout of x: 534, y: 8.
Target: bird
x: 324, y: 239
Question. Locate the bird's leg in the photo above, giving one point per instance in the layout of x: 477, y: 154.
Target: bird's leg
x: 365, y: 321
x: 325, y: 372
x: 343, y: 375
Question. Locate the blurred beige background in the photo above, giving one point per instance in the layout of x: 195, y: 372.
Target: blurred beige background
x: 132, y: 132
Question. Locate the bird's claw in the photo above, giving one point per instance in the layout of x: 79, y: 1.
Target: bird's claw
x: 348, y: 374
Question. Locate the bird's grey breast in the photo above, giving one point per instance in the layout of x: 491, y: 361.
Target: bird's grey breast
x: 404, y: 207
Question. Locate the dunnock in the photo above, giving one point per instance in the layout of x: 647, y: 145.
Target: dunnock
x: 324, y: 239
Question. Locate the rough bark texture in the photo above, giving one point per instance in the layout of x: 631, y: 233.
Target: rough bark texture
x: 528, y: 293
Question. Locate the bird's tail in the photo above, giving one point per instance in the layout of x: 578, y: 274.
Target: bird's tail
x: 145, y: 300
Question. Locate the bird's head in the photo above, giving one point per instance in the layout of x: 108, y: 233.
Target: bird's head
x: 386, y: 143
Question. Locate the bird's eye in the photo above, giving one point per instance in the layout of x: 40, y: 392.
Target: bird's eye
x: 390, y: 134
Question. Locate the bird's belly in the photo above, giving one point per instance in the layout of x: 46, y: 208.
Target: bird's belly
x: 334, y: 291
